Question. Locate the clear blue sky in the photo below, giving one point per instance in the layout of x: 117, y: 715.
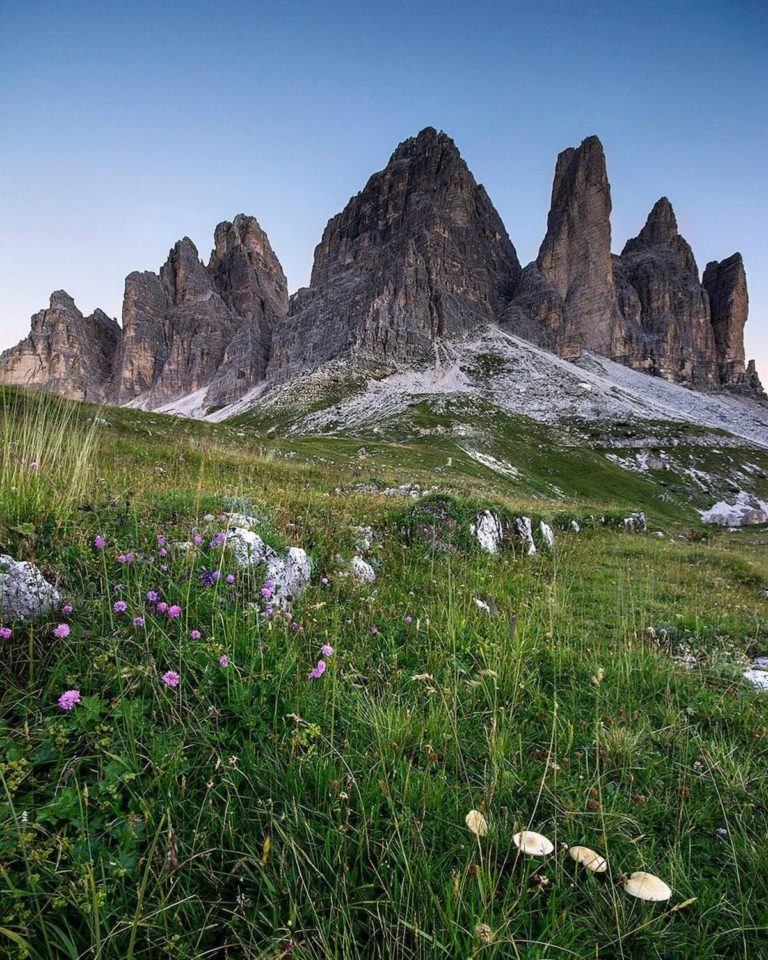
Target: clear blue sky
x: 127, y: 125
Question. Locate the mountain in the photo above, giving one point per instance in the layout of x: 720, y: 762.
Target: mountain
x: 419, y: 254
x: 418, y: 258
x: 65, y: 352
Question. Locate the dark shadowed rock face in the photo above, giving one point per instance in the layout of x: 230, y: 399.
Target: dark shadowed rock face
x: 566, y: 301
x: 669, y: 311
x: 65, y: 352
x: 195, y: 327
x: 419, y: 253
x: 726, y: 284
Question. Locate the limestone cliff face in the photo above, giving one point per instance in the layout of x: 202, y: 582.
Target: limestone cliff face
x: 670, y: 315
x: 566, y: 300
x: 420, y: 253
x: 726, y: 284
x: 195, y: 326
x: 65, y: 352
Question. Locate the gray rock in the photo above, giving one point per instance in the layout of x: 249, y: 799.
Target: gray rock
x: 362, y: 571
x: 488, y: 532
x: 635, y: 523
x: 547, y: 535
x: 247, y: 547
x: 291, y: 573
x: 524, y: 533
x: 24, y: 592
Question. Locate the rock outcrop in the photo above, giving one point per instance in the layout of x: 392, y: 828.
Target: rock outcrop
x: 566, y: 300
x: 726, y: 284
x: 664, y: 304
x: 420, y: 253
x: 195, y: 327
x: 65, y: 352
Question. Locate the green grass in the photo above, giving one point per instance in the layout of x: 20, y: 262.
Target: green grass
x: 254, y: 813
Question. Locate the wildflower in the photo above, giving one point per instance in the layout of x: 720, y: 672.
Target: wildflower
x: 198, y: 539
x: 164, y: 567
x: 316, y: 672
x: 5, y: 633
x: 119, y: 606
x: 195, y: 634
x: 174, y: 611
x: 61, y: 631
x: 325, y: 581
x: 162, y: 607
x: 153, y: 596
x: 138, y: 621
x: 230, y: 578
x: 99, y: 542
x: 67, y: 609
x: 161, y: 540
x: 33, y: 464
x: 721, y: 832
x: 218, y: 540
x: 326, y: 650
x: 374, y: 629
x: 162, y: 552
x: 409, y: 619
x: 266, y: 592
x: 223, y: 660
x: 210, y: 577
x: 126, y: 558
x: 69, y: 699
x: 171, y: 679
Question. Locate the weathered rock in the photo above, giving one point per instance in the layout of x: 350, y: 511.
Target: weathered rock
x: 65, y: 352
x: 419, y: 254
x: 24, y: 591
x: 488, y: 532
x: 247, y: 547
x: 635, y: 522
x: 524, y: 533
x: 547, y: 535
x: 566, y: 300
x: 726, y: 284
x: 362, y: 571
x: 665, y: 306
x: 194, y: 327
x: 291, y: 573
x: 743, y: 512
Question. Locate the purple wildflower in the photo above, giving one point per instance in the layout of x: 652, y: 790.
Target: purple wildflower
x: 326, y: 650
x: 138, y: 621
x: 161, y: 540
x: 61, y: 631
x: 409, y: 619
x: 218, y: 540
x: 266, y: 592
x: 223, y: 660
x: 198, y: 539
x: 153, y: 596
x: 119, y: 606
x: 325, y: 581
x: 174, y: 611
x: 171, y: 679
x: 99, y: 542
x: 721, y: 832
x: 5, y: 633
x: 374, y: 629
x: 230, y: 578
x: 67, y: 609
x: 162, y: 607
x: 195, y: 634
x: 317, y: 671
x: 69, y: 699
x: 33, y: 464
x: 162, y: 552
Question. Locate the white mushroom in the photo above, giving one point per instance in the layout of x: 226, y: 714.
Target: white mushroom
x: 645, y: 886
x: 533, y: 843
x: 588, y: 859
x: 476, y: 823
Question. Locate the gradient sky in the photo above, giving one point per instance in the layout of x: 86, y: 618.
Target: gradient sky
x: 127, y: 125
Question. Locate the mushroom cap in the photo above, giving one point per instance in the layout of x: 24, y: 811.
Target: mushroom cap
x: 645, y: 886
x: 588, y: 859
x: 476, y: 823
x: 533, y: 843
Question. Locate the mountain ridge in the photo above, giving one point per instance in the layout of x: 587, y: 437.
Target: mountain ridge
x: 419, y: 255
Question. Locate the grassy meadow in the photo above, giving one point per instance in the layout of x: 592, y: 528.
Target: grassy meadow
x: 594, y: 695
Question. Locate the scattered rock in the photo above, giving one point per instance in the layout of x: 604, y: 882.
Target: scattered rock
x: 291, y: 574
x: 547, y: 535
x: 361, y: 571
x: 24, y: 591
x: 524, y: 533
x: 575, y: 526
x: 488, y: 532
x: 635, y: 522
x: 248, y: 548
x: 745, y: 511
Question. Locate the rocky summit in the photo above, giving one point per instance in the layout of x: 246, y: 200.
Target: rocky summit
x: 420, y: 256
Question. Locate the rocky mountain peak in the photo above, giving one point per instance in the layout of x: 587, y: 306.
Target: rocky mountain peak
x: 726, y: 284
x: 661, y: 225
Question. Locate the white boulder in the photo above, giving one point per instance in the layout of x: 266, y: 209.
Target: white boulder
x: 248, y: 548
x: 290, y: 573
x: 24, y: 591
x: 547, y: 535
x: 524, y: 533
x: 362, y: 571
x: 487, y: 531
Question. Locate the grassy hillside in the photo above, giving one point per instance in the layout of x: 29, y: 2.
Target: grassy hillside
x: 251, y: 812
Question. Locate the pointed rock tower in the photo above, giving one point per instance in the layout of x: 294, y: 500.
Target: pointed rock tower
x: 420, y: 253
x: 726, y: 284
